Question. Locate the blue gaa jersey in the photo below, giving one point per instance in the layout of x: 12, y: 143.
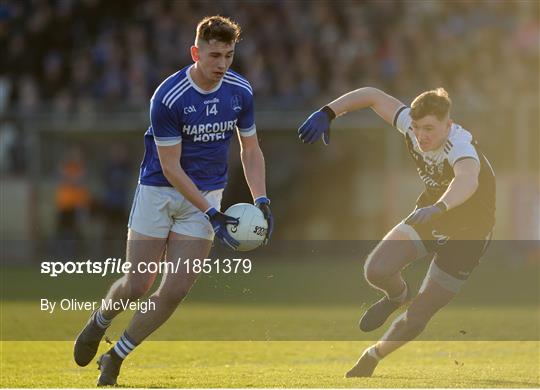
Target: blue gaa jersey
x: 203, y: 121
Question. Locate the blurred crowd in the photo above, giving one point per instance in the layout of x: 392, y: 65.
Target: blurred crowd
x: 94, y: 55
x: 98, y: 56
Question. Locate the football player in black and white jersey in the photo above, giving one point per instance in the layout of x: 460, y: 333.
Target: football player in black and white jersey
x: 452, y: 220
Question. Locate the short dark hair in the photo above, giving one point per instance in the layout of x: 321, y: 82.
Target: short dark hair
x: 218, y: 27
x: 435, y: 102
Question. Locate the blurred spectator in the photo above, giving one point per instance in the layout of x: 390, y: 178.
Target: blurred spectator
x: 13, y: 149
x: 118, y: 189
x: 88, y: 57
x: 72, y: 196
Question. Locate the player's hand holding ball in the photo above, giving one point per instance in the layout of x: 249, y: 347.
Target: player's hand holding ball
x: 263, y: 203
x: 317, y: 125
x: 219, y: 223
x: 252, y: 230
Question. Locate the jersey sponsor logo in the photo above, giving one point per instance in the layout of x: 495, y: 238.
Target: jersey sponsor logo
x: 214, y: 100
x: 441, y: 238
x: 435, y: 182
x: 236, y: 103
x: 190, y: 109
x: 428, y: 181
x: 209, y: 132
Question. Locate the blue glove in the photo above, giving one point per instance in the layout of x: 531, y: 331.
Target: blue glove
x: 219, y: 223
x: 317, y: 125
x: 426, y: 214
x: 263, y: 203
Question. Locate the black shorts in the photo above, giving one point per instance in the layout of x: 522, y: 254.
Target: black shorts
x: 458, y: 249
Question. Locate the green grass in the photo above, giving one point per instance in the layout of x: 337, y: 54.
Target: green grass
x: 459, y: 362
x: 199, y: 321
x: 279, y: 364
x: 301, y: 320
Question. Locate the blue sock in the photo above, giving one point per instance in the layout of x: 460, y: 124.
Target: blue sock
x: 124, y: 346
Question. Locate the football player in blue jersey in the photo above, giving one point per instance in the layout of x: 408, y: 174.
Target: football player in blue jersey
x: 194, y: 114
x: 452, y: 220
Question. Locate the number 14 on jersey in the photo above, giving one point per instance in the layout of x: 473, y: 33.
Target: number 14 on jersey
x: 211, y: 110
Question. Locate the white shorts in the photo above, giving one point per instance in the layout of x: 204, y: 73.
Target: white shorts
x: 156, y: 211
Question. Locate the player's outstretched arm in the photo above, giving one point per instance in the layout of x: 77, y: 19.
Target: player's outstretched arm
x: 318, y: 123
x: 383, y: 104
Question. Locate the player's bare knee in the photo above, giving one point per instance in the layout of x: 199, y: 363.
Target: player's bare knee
x: 396, y: 234
x: 136, y: 288
x: 374, y: 268
x: 374, y: 274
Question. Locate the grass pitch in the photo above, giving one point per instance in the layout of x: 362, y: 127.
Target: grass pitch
x: 276, y: 307
x: 160, y: 364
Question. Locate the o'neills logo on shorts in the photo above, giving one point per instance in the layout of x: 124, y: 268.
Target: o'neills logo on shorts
x: 208, y: 132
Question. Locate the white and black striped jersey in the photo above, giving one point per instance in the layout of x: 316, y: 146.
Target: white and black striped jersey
x: 436, y: 168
